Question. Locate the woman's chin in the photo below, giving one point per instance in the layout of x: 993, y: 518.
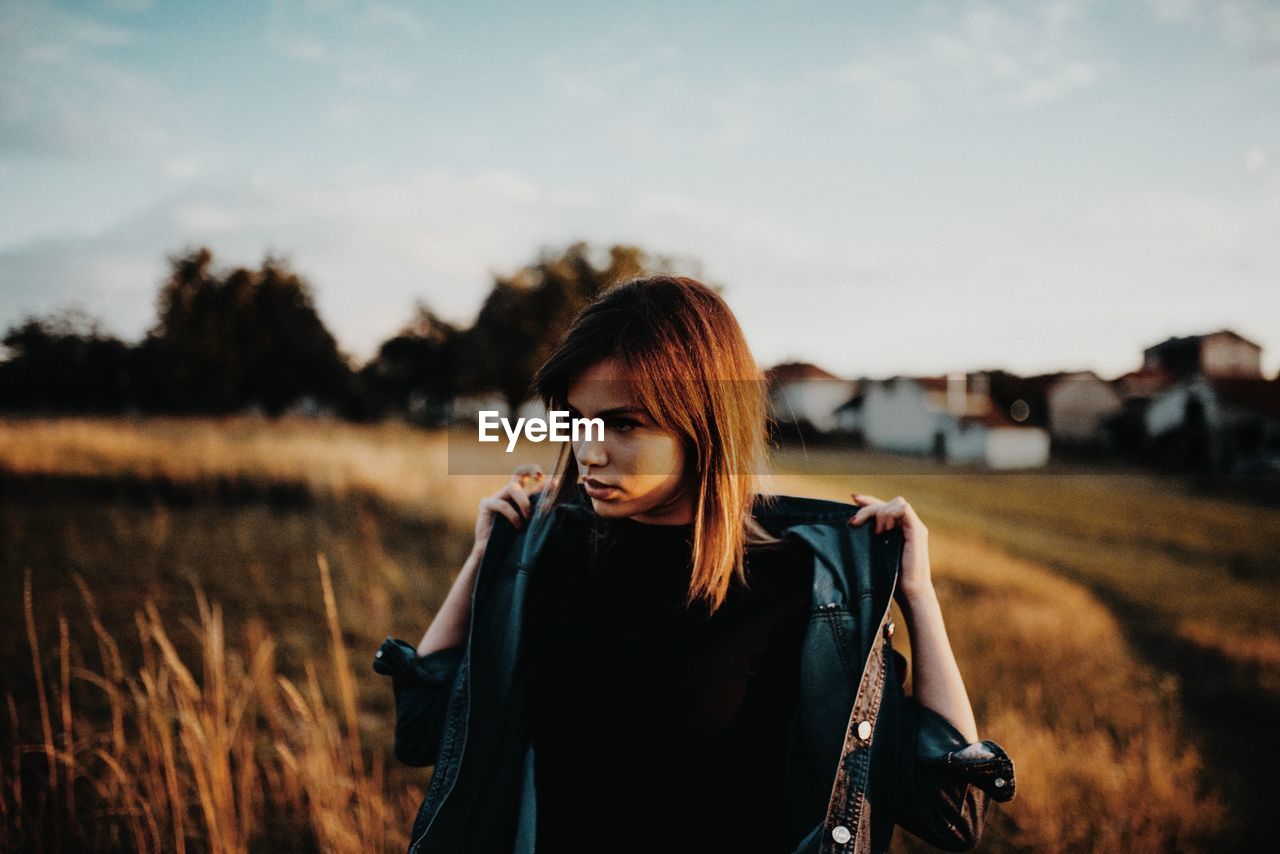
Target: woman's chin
x: 607, y: 507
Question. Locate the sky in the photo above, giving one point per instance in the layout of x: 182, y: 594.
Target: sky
x: 880, y: 187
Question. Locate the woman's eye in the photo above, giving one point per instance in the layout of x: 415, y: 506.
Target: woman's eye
x: 623, y: 425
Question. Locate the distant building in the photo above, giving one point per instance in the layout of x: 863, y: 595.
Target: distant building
x: 951, y: 417
x: 1177, y: 373
x: 1216, y: 354
x: 994, y: 440
x: 533, y: 408
x: 1225, y: 424
x: 1074, y: 406
x: 465, y: 409
x: 803, y: 394
x: 1142, y: 384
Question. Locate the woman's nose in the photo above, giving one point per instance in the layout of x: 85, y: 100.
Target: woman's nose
x: 592, y: 454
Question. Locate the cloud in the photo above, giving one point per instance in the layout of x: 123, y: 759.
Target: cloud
x: 642, y: 99
x: 129, y: 5
x: 1259, y: 166
x: 1253, y: 25
x: 368, y: 47
x: 985, y: 56
x: 604, y: 74
x: 1174, y: 10
x: 64, y: 88
x: 190, y: 166
x: 373, y: 245
x: 1082, y: 284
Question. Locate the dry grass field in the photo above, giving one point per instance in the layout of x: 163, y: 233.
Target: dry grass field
x: 194, y: 605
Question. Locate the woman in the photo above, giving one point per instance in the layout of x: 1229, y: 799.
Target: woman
x: 656, y: 655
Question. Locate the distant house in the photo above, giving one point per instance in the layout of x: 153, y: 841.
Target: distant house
x: 533, y: 408
x: 1074, y: 406
x: 1216, y: 354
x: 951, y: 417
x: 803, y: 394
x: 1220, y: 423
x: 465, y: 409
x: 994, y: 440
x: 1142, y: 384
x: 1154, y: 398
x: 1128, y: 429
x: 849, y: 416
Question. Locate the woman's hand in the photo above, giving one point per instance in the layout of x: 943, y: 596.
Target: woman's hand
x: 451, y: 622
x: 916, y: 578
x: 511, y: 501
x: 936, y: 682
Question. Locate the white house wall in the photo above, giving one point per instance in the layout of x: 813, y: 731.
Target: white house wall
x: 1168, y: 410
x: 1078, y: 405
x: 1227, y: 356
x: 814, y: 400
x: 965, y: 445
x: 1017, y: 447
x: 466, y: 409
x: 849, y: 419
x: 996, y: 447
x: 898, y: 418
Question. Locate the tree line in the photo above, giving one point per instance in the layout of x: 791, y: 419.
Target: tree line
x: 242, y: 339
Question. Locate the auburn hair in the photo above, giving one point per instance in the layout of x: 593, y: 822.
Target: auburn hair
x: 688, y: 365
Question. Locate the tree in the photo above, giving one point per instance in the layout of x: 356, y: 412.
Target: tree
x: 225, y: 341
x: 65, y: 362
x: 415, y: 372
x: 526, y: 314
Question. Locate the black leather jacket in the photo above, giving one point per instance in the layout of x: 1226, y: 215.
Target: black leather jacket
x: 862, y: 759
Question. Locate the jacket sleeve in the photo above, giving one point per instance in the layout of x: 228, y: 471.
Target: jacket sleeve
x: 422, y: 685
x: 947, y: 784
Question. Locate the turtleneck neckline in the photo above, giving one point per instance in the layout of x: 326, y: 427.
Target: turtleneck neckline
x: 629, y: 524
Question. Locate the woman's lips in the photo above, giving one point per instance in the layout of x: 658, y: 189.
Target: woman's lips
x: 596, y: 490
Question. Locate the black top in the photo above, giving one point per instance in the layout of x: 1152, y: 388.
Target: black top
x: 656, y: 727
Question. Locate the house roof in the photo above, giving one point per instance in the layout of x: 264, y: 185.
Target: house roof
x: 795, y: 371
x: 1007, y: 388
x: 927, y: 383
x: 1143, y: 382
x: 930, y: 383
x: 1186, y: 339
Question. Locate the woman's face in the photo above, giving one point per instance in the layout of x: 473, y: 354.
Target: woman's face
x: 638, y: 464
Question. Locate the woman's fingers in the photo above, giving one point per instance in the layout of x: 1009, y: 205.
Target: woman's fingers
x: 519, y: 496
x: 528, y: 478
x: 512, y: 501
x: 887, y: 513
x: 528, y: 475
x: 869, y: 507
x: 885, y: 518
x: 501, y: 505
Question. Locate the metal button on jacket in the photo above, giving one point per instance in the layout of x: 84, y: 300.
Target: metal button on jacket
x: 841, y: 834
x: 864, y: 730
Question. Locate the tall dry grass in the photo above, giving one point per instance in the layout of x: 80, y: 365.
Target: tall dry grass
x: 1107, y: 759
x: 1103, y: 755
x: 400, y: 464
x: 218, y: 755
